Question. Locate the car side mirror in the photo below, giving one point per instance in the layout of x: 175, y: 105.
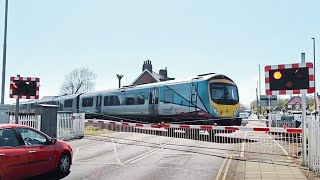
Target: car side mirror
x: 52, y: 141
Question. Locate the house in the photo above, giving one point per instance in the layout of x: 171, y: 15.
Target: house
x: 149, y: 76
x: 293, y: 104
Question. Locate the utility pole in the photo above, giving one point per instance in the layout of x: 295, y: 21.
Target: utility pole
x: 4, y: 53
x: 314, y: 76
x: 119, y: 78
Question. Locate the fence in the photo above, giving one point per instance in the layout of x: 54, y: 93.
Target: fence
x: 236, y: 139
x: 69, y: 126
x: 28, y: 120
x: 313, y: 144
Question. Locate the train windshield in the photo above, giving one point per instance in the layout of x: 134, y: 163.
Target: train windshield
x: 223, y: 93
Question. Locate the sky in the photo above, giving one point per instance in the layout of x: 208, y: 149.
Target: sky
x: 48, y: 39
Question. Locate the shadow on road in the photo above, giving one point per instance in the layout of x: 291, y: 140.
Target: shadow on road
x: 49, y: 176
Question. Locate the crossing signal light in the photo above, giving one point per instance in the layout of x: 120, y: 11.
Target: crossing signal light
x: 289, y: 79
x: 277, y: 75
x: 24, y: 88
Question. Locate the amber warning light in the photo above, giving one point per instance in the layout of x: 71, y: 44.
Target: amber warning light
x: 277, y: 75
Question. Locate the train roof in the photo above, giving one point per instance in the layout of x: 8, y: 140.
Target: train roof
x: 201, y: 77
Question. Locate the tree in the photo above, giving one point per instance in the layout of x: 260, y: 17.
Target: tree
x: 80, y: 80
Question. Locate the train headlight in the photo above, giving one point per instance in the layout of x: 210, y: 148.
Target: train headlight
x: 236, y: 112
x: 215, y: 110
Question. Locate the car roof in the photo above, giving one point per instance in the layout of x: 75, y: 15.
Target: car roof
x: 14, y: 126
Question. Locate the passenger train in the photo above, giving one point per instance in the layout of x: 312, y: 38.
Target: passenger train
x: 206, y: 99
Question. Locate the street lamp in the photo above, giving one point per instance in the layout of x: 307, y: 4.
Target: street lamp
x: 119, y: 78
x: 4, y: 53
x: 314, y: 72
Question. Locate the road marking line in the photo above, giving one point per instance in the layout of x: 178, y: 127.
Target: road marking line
x: 116, y: 152
x: 221, y: 168
x: 227, y: 168
x: 138, y: 139
x: 146, y: 154
x: 75, y: 154
x: 243, y: 144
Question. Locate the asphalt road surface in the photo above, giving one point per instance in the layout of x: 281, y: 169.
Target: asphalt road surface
x: 123, y: 155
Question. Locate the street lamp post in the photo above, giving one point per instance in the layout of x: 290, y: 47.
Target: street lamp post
x: 4, y: 53
x: 314, y: 72
x: 119, y: 78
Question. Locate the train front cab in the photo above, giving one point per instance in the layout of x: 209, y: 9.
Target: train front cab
x: 224, y: 101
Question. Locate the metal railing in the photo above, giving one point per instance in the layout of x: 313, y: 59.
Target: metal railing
x: 235, y: 139
x: 313, y: 144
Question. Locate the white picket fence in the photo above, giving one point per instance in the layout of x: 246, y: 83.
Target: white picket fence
x: 69, y: 126
x: 28, y: 120
x: 313, y: 145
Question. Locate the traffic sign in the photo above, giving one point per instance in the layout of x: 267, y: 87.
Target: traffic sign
x: 24, y: 87
x: 289, y: 79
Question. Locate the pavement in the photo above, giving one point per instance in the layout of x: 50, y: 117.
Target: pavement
x: 268, y: 167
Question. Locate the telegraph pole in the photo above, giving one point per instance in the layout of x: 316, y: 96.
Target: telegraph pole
x: 4, y: 53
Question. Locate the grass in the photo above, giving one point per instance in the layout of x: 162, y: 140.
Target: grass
x: 90, y: 130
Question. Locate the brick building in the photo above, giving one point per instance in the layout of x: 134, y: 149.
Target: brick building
x: 149, y: 76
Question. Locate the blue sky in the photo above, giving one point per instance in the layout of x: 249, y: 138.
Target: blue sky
x: 48, y: 39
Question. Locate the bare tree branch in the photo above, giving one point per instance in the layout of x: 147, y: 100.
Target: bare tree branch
x: 80, y: 80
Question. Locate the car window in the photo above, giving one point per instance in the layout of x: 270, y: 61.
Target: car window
x: 8, y: 138
x: 32, y: 137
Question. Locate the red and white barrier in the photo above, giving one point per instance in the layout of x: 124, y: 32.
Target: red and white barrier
x: 202, y: 127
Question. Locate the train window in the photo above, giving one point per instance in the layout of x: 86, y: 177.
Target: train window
x: 129, y: 99
x: 116, y: 101
x: 87, y: 102
x: 168, y: 96
x: 32, y: 106
x: 23, y: 106
x: 106, y: 100
x: 68, y: 102
x: 111, y: 101
x: 141, y: 97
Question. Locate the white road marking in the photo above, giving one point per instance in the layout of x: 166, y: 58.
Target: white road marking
x: 116, y: 152
x: 138, y: 139
x: 221, y: 168
x: 148, y: 153
x: 227, y: 168
x: 75, y: 154
x: 243, y: 144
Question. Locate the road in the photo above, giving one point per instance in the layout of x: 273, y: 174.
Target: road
x: 123, y: 155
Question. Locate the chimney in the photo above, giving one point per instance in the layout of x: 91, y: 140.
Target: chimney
x: 164, y: 73
x: 147, y: 65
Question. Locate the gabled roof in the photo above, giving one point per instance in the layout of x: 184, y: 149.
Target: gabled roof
x: 153, y: 75
x: 294, y: 100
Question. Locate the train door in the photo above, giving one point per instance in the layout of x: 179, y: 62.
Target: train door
x: 98, y: 104
x: 154, y: 101
x: 194, y: 97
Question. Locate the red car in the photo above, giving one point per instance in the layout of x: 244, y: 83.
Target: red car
x: 26, y: 152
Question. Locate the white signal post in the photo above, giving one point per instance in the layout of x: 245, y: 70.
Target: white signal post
x: 303, y: 102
